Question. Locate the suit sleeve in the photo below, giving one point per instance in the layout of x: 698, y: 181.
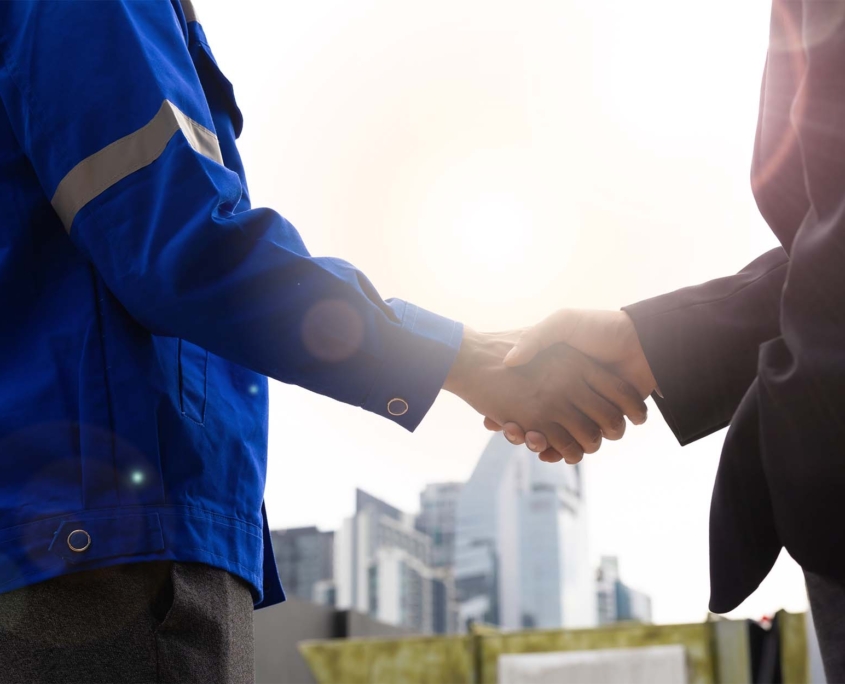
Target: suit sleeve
x: 107, y: 104
x: 702, y: 343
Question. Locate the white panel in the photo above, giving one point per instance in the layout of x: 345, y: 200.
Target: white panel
x: 343, y: 559
x: 389, y: 586
x: 361, y: 597
x: 652, y: 665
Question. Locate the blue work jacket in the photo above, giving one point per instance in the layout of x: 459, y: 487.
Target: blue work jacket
x: 145, y: 303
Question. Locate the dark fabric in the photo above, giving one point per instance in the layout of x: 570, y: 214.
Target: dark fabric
x: 827, y: 602
x: 144, y: 622
x: 207, y: 635
x: 703, y: 342
x: 781, y: 477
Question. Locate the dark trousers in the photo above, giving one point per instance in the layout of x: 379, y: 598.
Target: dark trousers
x: 827, y: 601
x: 143, y: 622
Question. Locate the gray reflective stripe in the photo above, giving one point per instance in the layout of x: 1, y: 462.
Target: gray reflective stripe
x: 188, y: 9
x: 101, y: 170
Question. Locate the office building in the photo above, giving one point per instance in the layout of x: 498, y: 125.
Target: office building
x: 305, y: 558
x: 521, y: 554
x: 383, y: 568
x: 616, y: 601
x: 438, y: 512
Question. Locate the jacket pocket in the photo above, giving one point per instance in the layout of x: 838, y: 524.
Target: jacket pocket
x: 193, y: 380
x: 163, y: 597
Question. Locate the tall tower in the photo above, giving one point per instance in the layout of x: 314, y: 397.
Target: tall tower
x: 521, y: 553
x: 304, y: 556
x: 438, y: 512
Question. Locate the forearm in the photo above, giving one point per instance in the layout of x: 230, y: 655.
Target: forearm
x: 143, y: 188
x: 702, y: 343
x: 244, y: 287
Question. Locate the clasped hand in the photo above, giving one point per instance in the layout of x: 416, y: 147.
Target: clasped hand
x: 562, y: 386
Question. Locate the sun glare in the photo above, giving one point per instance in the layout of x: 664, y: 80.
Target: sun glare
x: 487, y: 222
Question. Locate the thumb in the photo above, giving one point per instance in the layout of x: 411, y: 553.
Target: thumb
x: 554, y: 329
x: 526, y: 348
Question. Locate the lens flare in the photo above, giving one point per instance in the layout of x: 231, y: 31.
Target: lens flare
x: 332, y: 331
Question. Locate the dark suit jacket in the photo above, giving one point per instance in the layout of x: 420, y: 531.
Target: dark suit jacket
x: 764, y: 350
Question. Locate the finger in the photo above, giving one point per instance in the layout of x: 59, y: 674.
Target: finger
x: 556, y: 328
x: 536, y: 441
x: 607, y: 416
x: 618, y: 392
x: 563, y: 443
x: 551, y: 456
x: 513, y: 433
x: 492, y: 425
x: 580, y: 427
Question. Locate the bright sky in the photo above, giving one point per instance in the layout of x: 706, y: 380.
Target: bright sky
x: 494, y: 161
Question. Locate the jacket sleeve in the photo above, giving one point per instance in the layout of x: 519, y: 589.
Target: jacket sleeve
x: 702, y: 343
x: 107, y: 104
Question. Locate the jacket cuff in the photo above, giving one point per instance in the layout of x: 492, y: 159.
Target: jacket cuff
x: 682, y: 361
x: 418, y: 360
x: 702, y: 343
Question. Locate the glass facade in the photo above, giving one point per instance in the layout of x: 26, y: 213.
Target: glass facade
x: 521, y: 555
x: 304, y: 557
x: 437, y: 519
x: 618, y: 602
x: 384, y: 568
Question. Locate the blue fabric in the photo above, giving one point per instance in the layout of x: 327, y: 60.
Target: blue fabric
x: 133, y: 399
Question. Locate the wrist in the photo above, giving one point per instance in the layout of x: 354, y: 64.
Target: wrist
x: 645, y: 377
x: 456, y: 380
x: 479, y: 362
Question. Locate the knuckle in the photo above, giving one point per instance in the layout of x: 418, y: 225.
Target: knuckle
x: 593, y: 445
x: 615, y: 425
x: 592, y: 434
x: 625, y: 389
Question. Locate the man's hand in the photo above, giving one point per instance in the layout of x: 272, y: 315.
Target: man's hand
x: 609, y: 337
x: 568, y: 398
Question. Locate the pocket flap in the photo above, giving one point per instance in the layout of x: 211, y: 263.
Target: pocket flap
x: 218, y: 88
x: 83, y: 540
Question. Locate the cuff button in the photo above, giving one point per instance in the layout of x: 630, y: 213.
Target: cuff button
x: 79, y: 541
x: 397, y: 407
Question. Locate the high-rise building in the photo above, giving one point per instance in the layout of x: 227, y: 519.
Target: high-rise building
x: 305, y: 558
x: 324, y: 593
x: 607, y: 577
x: 383, y: 568
x: 521, y: 556
x: 618, y: 602
x: 438, y: 512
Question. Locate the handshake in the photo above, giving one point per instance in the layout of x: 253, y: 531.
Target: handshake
x: 561, y: 386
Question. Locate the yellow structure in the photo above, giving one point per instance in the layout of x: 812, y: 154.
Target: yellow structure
x: 717, y: 652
